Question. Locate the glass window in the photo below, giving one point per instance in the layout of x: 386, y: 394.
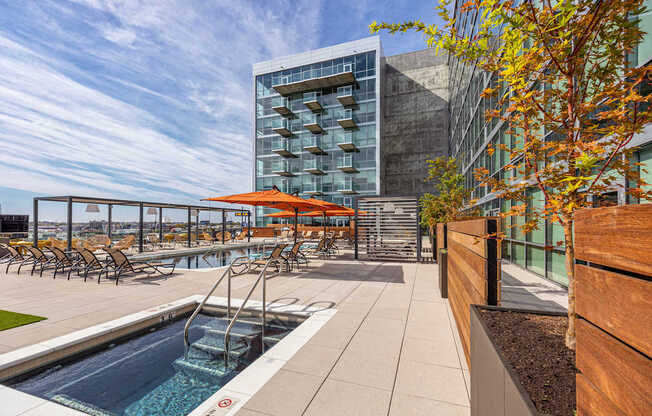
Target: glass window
x: 645, y: 158
x: 536, y: 260
x: 518, y: 254
x: 557, y: 267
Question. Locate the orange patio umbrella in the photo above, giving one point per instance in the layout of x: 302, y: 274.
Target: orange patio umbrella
x: 273, y: 198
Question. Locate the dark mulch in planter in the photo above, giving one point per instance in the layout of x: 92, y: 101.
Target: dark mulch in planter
x: 534, y: 346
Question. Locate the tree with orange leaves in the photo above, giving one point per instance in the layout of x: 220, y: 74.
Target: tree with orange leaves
x: 569, y: 95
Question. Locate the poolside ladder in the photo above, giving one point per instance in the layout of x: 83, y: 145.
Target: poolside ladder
x: 227, y: 335
x: 227, y: 273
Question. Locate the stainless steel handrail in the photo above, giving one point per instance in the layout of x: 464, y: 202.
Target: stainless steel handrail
x: 227, y: 334
x: 203, y: 302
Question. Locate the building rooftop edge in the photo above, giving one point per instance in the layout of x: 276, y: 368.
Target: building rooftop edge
x: 322, y: 54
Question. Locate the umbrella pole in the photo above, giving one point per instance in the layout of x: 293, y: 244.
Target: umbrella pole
x: 296, y: 226
x: 324, y: 214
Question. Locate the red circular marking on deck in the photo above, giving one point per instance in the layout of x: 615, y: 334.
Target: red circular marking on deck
x: 225, y: 403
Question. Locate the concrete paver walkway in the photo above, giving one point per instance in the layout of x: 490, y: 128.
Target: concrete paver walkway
x: 391, y: 349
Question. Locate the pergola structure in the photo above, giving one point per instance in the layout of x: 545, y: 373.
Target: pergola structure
x: 69, y: 200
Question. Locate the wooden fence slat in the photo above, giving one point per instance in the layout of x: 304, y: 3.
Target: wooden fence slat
x: 441, y: 236
x: 621, y: 305
x: 471, y: 266
x: 476, y: 244
x: 477, y: 227
x: 591, y: 402
x: 618, y: 237
x: 621, y: 374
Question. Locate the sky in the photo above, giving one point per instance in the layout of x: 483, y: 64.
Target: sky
x: 150, y: 100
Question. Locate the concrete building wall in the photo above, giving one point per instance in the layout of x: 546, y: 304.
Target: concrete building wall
x: 414, y: 124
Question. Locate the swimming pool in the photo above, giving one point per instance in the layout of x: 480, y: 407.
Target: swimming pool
x: 148, y: 374
x: 206, y: 261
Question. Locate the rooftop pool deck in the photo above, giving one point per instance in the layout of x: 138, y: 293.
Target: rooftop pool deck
x: 391, y: 346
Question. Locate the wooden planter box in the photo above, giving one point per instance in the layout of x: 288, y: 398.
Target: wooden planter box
x: 495, y: 388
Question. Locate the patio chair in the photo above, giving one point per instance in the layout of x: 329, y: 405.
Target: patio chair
x: 39, y: 259
x: 122, y: 265
x: 62, y: 261
x: 206, y: 237
x: 15, y: 257
x: 60, y: 244
x: 242, y: 235
x: 153, y: 241
x: 277, y: 260
x: 124, y: 244
x: 295, y: 255
x: 88, y: 262
x: 100, y: 240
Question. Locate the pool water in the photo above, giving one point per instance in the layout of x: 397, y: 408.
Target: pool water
x: 205, y: 261
x: 148, y: 374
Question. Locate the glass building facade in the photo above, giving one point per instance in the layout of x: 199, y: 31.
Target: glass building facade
x: 317, y: 124
x: 470, y: 133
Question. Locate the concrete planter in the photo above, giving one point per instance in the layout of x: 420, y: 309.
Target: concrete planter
x: 495, y: 388
x: 442, y: 256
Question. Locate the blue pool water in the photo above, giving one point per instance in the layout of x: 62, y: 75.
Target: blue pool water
x: 205, y: 261
x: 148, y: 374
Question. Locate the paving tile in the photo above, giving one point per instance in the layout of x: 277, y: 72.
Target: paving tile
x: 247, y: 412
x: 287, y: 393
x: 405, y: 405
x: 361, y: 368
x: 429, y: 331
x: 15, y: 402
x: 439, y: 352
x: 382, y: 326
x: 380, y: 346
x: 389, y: 312
x: 431, y: 382
x: 467, y: 380
x: 344, y: 399
x: 313, y: 359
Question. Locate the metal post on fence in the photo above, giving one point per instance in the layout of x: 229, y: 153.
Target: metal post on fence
x: 35, y: 218
x: 419, y: 242
x: 355, y: 227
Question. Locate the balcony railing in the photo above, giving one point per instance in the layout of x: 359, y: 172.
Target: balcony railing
x: 312, y: 100
x: 312, y: 188
x: 313, y: 166
x: 283, y: 168
x: 282, y: 127
x: 345, y: 95
x: 312, y: 79
x: 345, y: 141
x: 311, y: 122
x: 313, y: 144
x: 347, y: 164
x: 345, y: 119
x: 282, y: 147
x: 347, y: 187
x: 282, y: 106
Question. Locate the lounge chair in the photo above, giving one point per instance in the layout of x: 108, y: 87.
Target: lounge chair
x: 39, y: 259
x: 242, y: 235
x: 60, y: 244
x: 295, y: 255
x: 122, y: 265
x: 100, y: 240
x: 124, y: 244
x: 153, y: 241
x: 88, y: 262
x: 277, y: 260
x: 62, y: 261
x: 206, y: 237
x: 15, y: 257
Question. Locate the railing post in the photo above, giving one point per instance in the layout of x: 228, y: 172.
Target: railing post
x: 223, y: 225
x: 140, y: 228
x: 35, y: 219
x: 264, y: 307
x: 69, y: 225
x: 418, y: 230
x: 110, y: 220
x: 189, y: 227
x: 355, y: 228
x: 228, y: 299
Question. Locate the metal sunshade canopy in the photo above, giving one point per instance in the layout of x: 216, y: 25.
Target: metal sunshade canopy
x: 125, y: 202
x: 69, y: 200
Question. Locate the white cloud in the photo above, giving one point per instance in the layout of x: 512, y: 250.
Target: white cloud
x: 138, y: 99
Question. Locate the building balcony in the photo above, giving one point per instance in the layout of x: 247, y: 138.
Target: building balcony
x: 345, y: 119
x: 347, y: 187
x: 313, y: 189
x: 345, y: 95
x: 312, y: 100
x: 282, y: 127
x: 282, y: 106
x: 313, y: 145
x: 283, y: 168
x: 283, y: 148
x: 313, y: 166
x: 314, y: 79
x: 347, y: 165
x: 311, y: 123
x: 345, y: 142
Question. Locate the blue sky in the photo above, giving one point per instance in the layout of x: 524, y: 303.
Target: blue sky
x: 150, y: 99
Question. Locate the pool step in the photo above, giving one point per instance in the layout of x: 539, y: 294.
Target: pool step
x: 236, y: 351
x: 202, y: 370
x: 75, y: 404
x: 220, y: 332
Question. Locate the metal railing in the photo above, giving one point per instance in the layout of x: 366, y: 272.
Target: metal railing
x: 186, y: 329
x: 227, y: 334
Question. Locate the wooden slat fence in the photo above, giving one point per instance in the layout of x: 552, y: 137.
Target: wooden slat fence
x: 473, y: 270
x: 614, y: 306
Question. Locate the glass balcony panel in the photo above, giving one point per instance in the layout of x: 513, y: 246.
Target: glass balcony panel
x: 283, y: 168
x: 312, y: 100
x: 345, y: 119
x: 313, y: 144
x: 344, y: 141
x: 281, y: 126
x: 281, y: 105
x: 345, y: 95
x: 310, y: 79
x: 312, y: 122
x: 313, y: 166
x: 282, y: 147
x: 347, y: 164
